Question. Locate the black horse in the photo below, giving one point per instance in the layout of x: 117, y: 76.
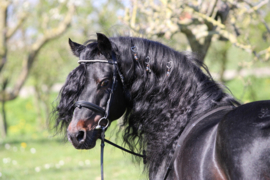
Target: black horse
x: 172, y: 109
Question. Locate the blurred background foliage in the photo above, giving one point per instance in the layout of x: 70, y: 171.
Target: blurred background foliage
x: 232, y: 37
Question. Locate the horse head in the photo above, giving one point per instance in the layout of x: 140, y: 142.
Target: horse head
x: 100, y: 99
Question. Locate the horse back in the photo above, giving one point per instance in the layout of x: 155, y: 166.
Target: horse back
x: 243, y: 142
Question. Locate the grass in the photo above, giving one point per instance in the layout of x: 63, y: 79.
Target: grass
x: 32, y: 153
x: 44, y: 158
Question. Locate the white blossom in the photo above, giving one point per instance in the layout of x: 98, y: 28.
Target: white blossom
x: 33, y: 150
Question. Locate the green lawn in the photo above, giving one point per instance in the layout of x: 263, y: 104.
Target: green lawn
x: 50, y: 158
x: 32, y: 153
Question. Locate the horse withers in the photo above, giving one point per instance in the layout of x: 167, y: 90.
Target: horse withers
x: 172, y: 109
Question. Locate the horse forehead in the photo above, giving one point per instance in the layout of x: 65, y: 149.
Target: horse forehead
x: 86, y: 53
x: 98, y: 71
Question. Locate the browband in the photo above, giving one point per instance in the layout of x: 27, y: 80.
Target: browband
x: 96, y: 60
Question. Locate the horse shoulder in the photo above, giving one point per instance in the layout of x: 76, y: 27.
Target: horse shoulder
x: 197, y: 158
x: 243, y: 142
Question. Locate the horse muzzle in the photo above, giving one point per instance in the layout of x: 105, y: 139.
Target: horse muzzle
x: 83, y: 139
x: 84, y: 133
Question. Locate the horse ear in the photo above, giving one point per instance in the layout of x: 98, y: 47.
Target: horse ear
x: 104, y: 44
x: 75, y: 47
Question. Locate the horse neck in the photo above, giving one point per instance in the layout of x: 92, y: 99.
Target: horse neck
x: 160, y: 106
x: 164, y: 111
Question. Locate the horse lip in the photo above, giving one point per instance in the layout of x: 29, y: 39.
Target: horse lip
x: 69, y: 140
x: 83, y: 146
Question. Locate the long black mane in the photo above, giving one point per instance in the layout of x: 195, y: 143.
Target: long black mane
x: 159, y: 105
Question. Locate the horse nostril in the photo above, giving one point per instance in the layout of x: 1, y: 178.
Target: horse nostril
x: 81, y: 136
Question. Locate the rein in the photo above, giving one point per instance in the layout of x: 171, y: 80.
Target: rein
x: 105, y: 112
x: 128, y: 151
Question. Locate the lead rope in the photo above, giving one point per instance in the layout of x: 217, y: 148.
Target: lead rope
x: 106, y: 116
x: 102, y: 151
x: 102, y: 145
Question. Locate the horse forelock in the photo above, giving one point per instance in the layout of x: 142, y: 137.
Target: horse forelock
x: 68, y: 95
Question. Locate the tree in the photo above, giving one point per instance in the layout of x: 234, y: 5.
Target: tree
x: 57, y: 59
x: 200, y: 21
x: 32, y: 29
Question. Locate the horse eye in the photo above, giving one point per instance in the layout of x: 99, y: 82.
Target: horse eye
x: 104, y: 83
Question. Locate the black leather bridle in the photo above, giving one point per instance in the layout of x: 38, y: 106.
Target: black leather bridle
x: 105, y: 112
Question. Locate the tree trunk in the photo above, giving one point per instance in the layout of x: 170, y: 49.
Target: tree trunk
x: 200, y: 48
x: 3, y: 33
x: 3, y: 121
